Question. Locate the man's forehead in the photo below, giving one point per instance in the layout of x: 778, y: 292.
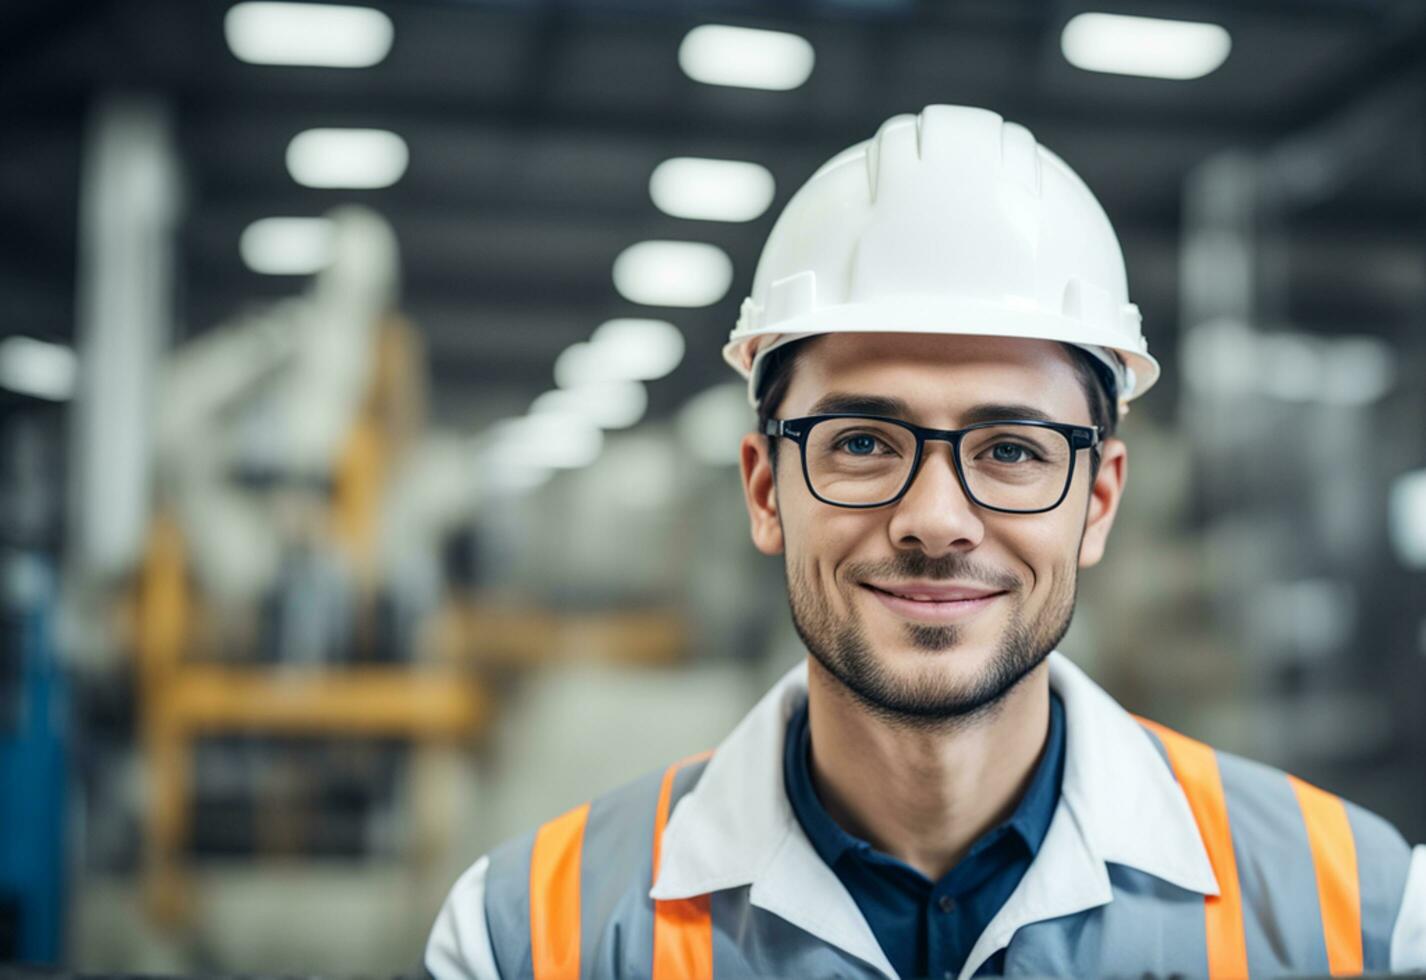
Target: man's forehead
x: 916, y: 375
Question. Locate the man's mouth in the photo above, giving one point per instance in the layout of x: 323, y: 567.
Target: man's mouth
x: 934, y: 593
x: 940, y: 605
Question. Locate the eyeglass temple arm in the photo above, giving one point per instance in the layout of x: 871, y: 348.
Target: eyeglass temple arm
x: 779, y: 427
x: 1087, y: 437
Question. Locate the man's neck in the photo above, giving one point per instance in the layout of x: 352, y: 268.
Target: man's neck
x: 923, y: 796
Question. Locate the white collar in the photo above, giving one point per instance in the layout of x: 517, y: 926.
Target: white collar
x: 1119, y: 804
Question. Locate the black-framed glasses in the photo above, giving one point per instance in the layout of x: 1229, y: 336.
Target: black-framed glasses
x: 1016, y: 466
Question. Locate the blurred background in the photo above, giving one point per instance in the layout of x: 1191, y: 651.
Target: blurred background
x: 368, y: 486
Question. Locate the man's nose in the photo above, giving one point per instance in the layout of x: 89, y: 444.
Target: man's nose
x: 935, y: 514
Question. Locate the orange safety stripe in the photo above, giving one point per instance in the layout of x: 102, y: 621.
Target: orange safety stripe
x: 1334, y: 858
x: 683, y: 927
x: 554, y: 896
x: 1196, y: 766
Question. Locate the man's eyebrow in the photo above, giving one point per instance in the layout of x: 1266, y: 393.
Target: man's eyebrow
x: 838, y: 402
x: 989, y: 412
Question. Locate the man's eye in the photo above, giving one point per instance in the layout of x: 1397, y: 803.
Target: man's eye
x: 1009, y: 452
x: 859, y: 445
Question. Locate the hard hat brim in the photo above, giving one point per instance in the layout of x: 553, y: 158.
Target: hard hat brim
x: 746, y: 349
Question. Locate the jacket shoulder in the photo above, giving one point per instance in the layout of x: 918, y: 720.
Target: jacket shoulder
x: 1279, y: 803
x: 1309, y: 840
x: 1267, y: 807
x: 1293, y: 843
x: 596, y: 857
x: 614, y: 829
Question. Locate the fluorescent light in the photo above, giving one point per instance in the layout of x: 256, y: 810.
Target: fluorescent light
x: 549, y: 439
x: 316, y: 34
x: 713, y: 190
x: 625, y: 349
x: 1292, y: 366
x: 347, y: 158
x: 1360, y: 370
x: 665, y: 273
x: 640, y: 349
x: 713, y: 422
x: 1407, y: 518
x: 287, y: 246
x: 34, y: 367
x: 1149, y: 46
x: 608, y: 404
x: 721, y: 55
x: 578, y: 364
x: 1219, y: 357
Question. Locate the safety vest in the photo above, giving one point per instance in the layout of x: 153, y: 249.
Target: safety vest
x: 1306, y: 883
x: 570, y: 900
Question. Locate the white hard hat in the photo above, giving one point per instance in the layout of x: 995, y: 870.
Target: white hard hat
x: 951, y: 221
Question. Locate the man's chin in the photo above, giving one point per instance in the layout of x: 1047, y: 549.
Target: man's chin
x: 899, y: 640
x: 909, y: 686
x: 943, y: 675
x: 928, y: 696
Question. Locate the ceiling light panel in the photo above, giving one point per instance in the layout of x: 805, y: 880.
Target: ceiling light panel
x: 287, y: 246
x: 1146, y: 46
x: 314, y: 34
x: 353, y: 159
x: 639, y: 349
x: 37, y: 368
x: 608, y: 404
x: 672, y: 273
x: 719, y: 54
x: 546, y: 440
x: 711, y: 190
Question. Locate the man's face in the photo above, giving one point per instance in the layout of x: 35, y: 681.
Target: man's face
x: 931, y: 664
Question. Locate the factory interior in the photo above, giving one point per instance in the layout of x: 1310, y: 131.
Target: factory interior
x: 370, y: 460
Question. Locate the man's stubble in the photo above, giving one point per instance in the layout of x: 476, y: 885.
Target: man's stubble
x: 842, y: 648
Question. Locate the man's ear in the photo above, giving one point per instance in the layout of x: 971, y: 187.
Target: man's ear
x: 1104, y: 497
x: 760, y: 493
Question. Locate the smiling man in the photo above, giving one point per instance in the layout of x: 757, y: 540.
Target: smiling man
x: 939, y: 346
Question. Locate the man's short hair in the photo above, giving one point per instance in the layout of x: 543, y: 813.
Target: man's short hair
x: 1094, y: 379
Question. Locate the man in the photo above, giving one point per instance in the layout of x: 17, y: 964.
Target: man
x: 938, y: 347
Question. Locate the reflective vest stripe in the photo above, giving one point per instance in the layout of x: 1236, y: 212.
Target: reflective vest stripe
x: 1334, y: 858
x: 554, y: 896
x: 1196, y: 767
x: 683, y: 927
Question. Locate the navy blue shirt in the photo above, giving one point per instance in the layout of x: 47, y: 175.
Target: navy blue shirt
x: 927, y: 928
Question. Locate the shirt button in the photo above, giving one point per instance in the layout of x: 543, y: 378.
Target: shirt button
x: 947, y: 903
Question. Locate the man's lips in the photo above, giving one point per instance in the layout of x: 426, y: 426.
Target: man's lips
x: 931, y: 592
x: 944, y: 604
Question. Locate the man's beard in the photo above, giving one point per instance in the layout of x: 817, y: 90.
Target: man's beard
x: 842, y: 648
